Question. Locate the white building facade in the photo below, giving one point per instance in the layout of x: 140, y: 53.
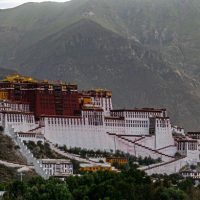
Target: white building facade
x: 93, y: 129
x: 57, y: 167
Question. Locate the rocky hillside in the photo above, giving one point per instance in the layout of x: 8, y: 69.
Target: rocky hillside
x: 146, y: 51
x: 9, y: 151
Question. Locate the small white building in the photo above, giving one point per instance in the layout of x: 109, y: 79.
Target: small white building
x: 57, y: 167
x: 188, y: 147
x: 195, y: 175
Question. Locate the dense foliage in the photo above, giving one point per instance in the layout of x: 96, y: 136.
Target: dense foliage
x: 105, y: 185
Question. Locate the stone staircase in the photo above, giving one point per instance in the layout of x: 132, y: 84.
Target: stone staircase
x: 31, y: 160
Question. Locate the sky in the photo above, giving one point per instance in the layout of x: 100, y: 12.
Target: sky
x: 13, y: 3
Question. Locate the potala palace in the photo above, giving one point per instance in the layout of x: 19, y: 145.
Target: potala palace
x: 59, y: 113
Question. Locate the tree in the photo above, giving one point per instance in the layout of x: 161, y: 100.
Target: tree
x: 175, y: 178
x: 48, y: 190
x: 105, y: 185
x: 15, y: 191
x: 186, y: 185
x: 171, y: 194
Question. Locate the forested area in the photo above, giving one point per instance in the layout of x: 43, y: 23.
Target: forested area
x: 104, y: 185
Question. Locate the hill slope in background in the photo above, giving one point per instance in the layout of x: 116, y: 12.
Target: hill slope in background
x: 5, y: 72
x: 146, y: 51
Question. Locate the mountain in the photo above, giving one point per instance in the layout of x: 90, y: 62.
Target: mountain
x: 146, y: 51
x: 5, y: 72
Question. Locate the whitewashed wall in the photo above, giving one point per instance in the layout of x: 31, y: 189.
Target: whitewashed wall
x: 168, y: 168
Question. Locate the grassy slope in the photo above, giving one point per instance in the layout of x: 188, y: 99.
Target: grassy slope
x: 7, y: 174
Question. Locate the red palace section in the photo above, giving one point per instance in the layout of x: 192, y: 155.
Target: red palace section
x: 44, y: 98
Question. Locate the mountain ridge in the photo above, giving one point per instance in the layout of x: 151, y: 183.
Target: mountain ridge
x: 132, y: 47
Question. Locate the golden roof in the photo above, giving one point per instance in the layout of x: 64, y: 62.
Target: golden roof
x: 16, y: 78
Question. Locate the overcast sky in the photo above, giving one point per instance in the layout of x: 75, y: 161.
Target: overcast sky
x: 12, y: 3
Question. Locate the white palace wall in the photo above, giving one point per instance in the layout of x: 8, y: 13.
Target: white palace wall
x: 18, y: 121
x: 89, y: 137
x: 148, y: 141
x: 83, y: 136
x: 137, y: 149
x: 166, y: 168
x: 170, y: 150
x: 80, y: 132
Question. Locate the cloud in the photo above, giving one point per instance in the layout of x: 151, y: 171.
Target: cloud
x: 13, y: 3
